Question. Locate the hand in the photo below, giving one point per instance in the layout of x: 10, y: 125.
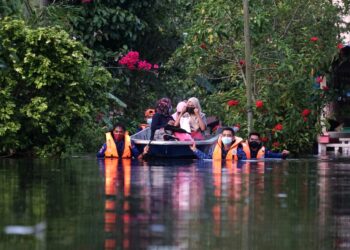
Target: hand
x: 196, y: 111
x: 171, y: 122
x: 285, y: 152
x: 146, y: 150
x: 184, y: 110
x: 193, y: 146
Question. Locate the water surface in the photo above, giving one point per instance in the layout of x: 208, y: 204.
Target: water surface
x: 175, y: 204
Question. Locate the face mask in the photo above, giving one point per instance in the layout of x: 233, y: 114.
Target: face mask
x: 149, y: 121
x: 254, y: 144
x: 190, y: 110
x: 226, y: 140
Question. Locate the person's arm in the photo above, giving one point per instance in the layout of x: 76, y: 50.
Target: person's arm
x: 201, y: 123
x: 200, y: 154
x: 101, y: 152
x: 240, y: 153
x: 136, y: 153
x: 276, y: 155
x: 178, y: 118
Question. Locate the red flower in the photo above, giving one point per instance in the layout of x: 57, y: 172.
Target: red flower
x: 259, y: 104
x: 306, y: 112
x: 203, y: 46
x: 305, y: 119
x: 319, y: 79
x: 86, y: 1
x: 278, y: 126
x: 340, y: 46
x: 325, y: 88
x: 276, y: 144
x: 264, y: 139
x: 237, y: 125
x: 231, y: 103
x: 155, y: 66
x: 242, y: 62
x: 314, y: 39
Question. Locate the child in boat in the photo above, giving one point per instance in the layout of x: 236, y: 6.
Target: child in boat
x: 148, y: 118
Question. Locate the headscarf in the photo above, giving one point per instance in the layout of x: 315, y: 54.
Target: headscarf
x: 193, y: 120
x: 164, y: 106
x: 179, y: 109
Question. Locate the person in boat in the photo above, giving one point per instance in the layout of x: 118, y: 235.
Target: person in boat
x: 254, y: 149
x: 192, y: 119
x: 179, y: 107
x: 148, y: 118
x: 119, y: 145
x: 228, y: 146
x: 161, y: 119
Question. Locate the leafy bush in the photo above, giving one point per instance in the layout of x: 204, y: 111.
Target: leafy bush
x: 49, y: 89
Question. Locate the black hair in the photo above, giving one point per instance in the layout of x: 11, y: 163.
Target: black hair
x: 229, y: 129
x: 120, y: 125
x: 254, y: 133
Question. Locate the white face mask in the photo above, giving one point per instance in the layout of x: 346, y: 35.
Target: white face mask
x: 226, y: 140
x: 149, y: 121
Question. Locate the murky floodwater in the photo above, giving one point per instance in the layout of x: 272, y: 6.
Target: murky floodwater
x: 82, y: 203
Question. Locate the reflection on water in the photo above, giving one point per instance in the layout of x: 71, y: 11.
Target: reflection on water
x: 177, y: 204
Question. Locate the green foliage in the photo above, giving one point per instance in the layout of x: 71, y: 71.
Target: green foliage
x: 49, y: 89
x: 285, y: 63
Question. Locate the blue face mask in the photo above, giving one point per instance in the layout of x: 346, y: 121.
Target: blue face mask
x: 226, y: 140
x: 149, y: 121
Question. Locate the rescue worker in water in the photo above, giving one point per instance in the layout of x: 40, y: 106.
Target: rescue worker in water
x: 254, y: 149
x: 228, y: 147
x: 119, y: 145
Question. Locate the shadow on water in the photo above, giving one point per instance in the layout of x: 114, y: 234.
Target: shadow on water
x: 176, y: 204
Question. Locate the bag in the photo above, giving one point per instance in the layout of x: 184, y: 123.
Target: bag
x: 164, y: 135
x: 183, y: 136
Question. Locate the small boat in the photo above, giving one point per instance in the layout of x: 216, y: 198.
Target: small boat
x: 170, y: 149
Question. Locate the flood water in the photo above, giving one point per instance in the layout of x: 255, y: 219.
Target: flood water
x: 82, y: 203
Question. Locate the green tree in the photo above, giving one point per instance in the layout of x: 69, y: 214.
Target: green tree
x: 293, y: 43
x: 49, y: 91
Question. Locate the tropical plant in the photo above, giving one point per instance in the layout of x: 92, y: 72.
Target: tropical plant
x: 49, y: 91
x: 292, y: 44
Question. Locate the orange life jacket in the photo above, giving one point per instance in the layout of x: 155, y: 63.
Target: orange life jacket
x: 231, y: 154
x: 111, y: 150
x: 260, y: 154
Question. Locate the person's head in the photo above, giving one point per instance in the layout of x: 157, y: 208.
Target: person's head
x: 254, y: 140
x: 118, y: 131
x: 163, y: 106
x: 180, y: 106
x: 148, y: 115
x: 227, y: 136
x: 193, y: 103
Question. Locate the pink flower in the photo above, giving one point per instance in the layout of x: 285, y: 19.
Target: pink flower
x: 130, y: 59
x: 340, y: 46
x: 278, y: 127
x: 259, y: 104
x: 231, y: 103
x: 306, y: 112
x: 155, y: 66
x: 144, y: 65
x: 305, y: 119
x: 314, y: 39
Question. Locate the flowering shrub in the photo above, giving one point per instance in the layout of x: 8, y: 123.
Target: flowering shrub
x: 259, y: 104
x: 132, y: 61
x: 232, y: 103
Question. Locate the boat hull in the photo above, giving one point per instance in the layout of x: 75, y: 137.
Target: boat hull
x: 170, y: 149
